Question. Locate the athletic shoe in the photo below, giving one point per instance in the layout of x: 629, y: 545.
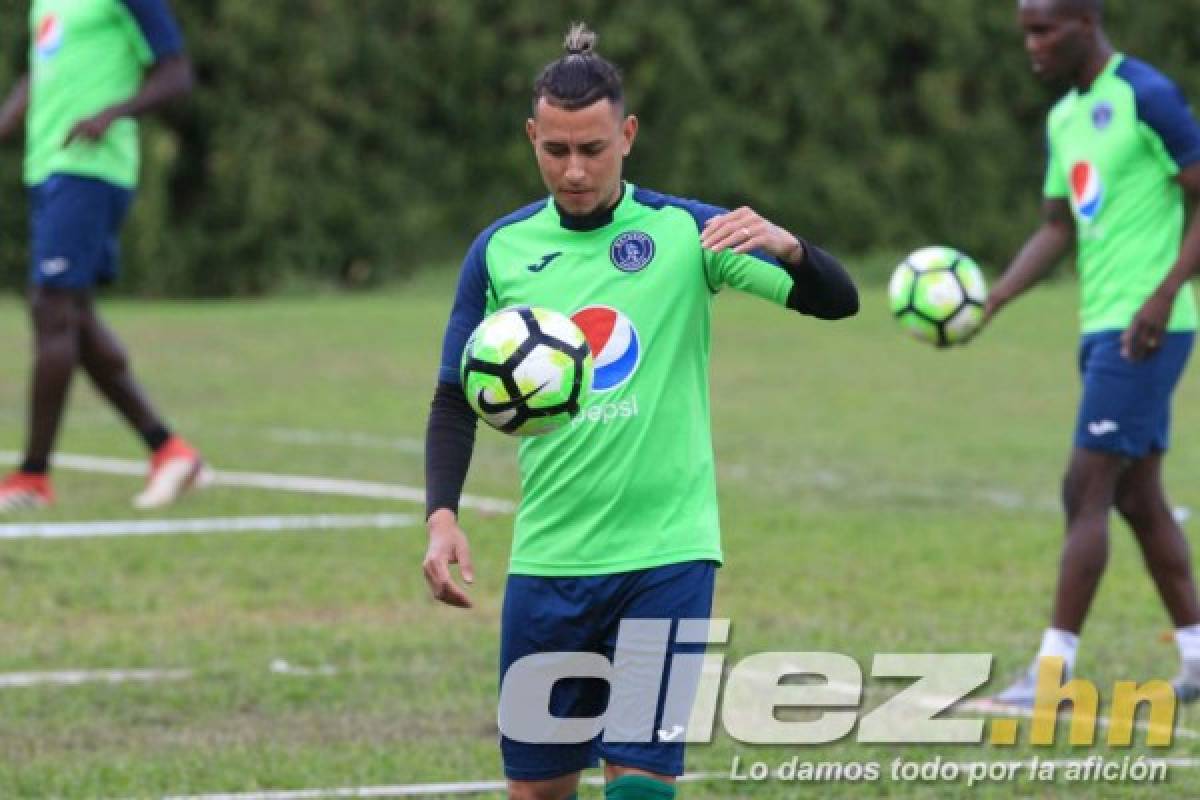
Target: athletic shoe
x: 174, y: 468
x: 1187, y: 683
x: 22, y: 490
x: 1021, y: 693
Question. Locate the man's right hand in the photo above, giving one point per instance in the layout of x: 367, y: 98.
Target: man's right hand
x: 447, y: 545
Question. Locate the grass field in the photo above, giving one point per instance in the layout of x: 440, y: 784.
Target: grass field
x: 877, y: 496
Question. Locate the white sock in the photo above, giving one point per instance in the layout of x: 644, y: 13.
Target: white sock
x: 1188, y: 639
x: 1062, y: 644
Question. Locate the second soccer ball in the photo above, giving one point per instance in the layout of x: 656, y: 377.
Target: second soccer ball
x: 937, y: 295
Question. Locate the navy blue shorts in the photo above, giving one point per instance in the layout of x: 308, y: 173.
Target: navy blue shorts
x: 1126, y: 405
x: 74, y: 227
x: 545, y: 615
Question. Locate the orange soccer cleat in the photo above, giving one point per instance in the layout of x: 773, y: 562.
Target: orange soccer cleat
x: 22, y: 490
x: 174, y: 468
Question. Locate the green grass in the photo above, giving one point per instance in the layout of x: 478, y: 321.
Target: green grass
x: 877, y: 496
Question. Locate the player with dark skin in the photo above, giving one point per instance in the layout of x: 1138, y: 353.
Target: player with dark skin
x: 67, y: 330
x: 1067, y: 47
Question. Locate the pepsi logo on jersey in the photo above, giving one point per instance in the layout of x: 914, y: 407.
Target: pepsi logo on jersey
x: 617, y: 351
x: 49, y: 37
x: 615, y: 345
x: 1087, y: 190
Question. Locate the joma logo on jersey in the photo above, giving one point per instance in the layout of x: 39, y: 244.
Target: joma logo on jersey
x: 541, y: 265
x: 1087, y: 190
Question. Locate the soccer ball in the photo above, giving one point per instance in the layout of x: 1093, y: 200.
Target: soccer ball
x: 937, y: 295
x: 526, y: 370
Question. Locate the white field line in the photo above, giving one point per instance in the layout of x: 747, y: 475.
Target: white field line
x: 150, y: 527
x: 485, y: 787
x: 830, y: 481
x: 281, y: 435
x: 288, y: 483
x: 404, y: 790
x: 282, y: 666
x: 997, y: 497
x: 76, y: 677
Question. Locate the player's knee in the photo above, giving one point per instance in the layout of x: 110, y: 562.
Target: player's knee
x: 55, y: 315
x: 1085, y: 495
x: 1144, y: 509
x: 540, y: 790
x: 1072, y: 496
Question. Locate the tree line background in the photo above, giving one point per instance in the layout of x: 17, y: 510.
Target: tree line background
x: 354, y: 142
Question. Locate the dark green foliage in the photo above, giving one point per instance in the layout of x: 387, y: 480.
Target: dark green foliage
x: 336, y: 141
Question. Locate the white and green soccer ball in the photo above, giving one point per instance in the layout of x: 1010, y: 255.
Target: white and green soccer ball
x: 937, y: 295
x: 526, y: 370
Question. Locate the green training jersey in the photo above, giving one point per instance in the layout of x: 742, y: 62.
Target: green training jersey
x: 84, y: 56
x: 630, y: 483
x: 1114, y: 151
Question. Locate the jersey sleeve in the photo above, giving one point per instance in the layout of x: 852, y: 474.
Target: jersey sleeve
x: 756, y: 273
x: 157, y: 33
x: 470, y: 306
x: 1170, y: 123
x: 1054, y: 186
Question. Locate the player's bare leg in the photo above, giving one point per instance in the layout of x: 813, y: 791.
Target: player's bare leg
x: 1088, y: 495
x: 106, y: 362
x: 55, y: 315
x: 559, y: 788
x: 1143, y: 504
x: 175, y: 466
x: 1089, y: 491
x: 67, y: 333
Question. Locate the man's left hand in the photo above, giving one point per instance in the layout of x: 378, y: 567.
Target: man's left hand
x: 744, y: 230
x: 92, y: 128
x: 1145, y: 334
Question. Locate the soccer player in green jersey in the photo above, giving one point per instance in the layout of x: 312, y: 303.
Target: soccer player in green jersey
x: 618, y: 515
x: 1123, y: 148
x: 94, y: 67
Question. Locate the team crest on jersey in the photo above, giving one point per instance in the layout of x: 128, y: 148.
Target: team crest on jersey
x: 1087, y: 190
x: 631, y: 251
x: 49, y: 37
x: 614, y: 342
x: 1102, y: 115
